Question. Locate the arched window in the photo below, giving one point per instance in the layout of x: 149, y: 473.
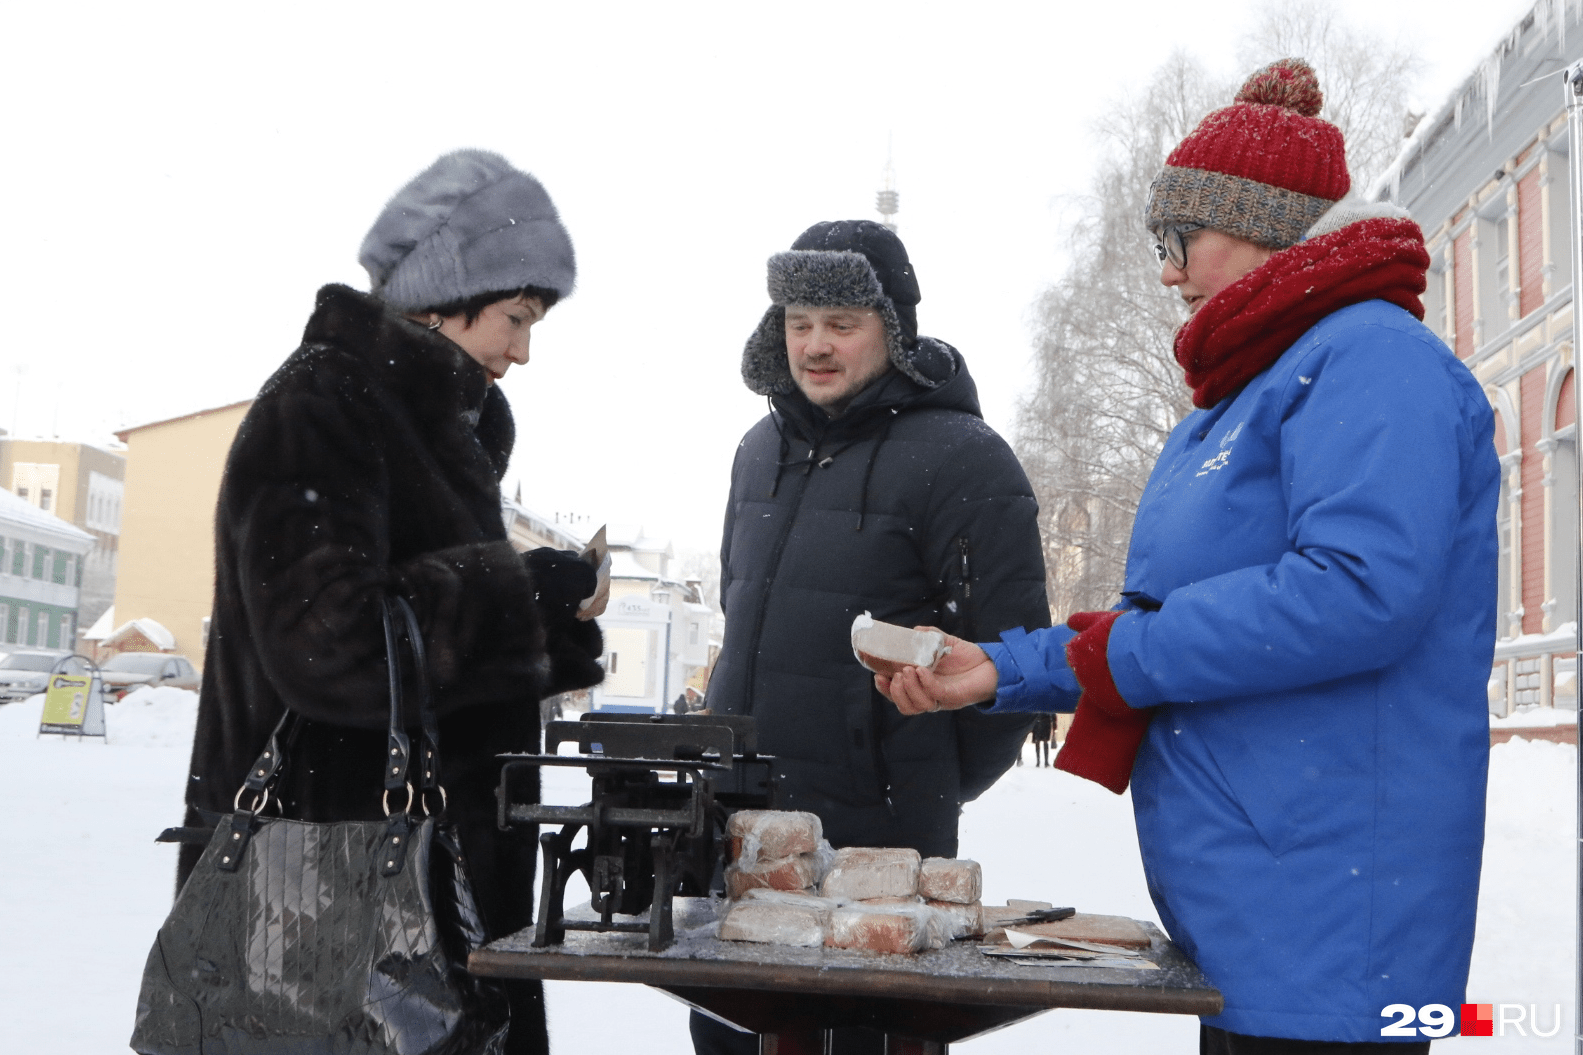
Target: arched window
x: 1506, y: 602
x: 1563, y: 562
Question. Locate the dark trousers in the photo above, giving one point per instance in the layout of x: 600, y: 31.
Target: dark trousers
x: 505, y: 897
x: 713, y: 1038
x: 1212, y: 1041
x: 529, y: 1033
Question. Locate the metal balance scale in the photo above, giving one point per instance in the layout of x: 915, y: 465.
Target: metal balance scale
x: 663, y: 786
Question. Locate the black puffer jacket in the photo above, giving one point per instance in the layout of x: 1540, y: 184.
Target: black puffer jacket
x: 371, y: 463
x: 910, y: 507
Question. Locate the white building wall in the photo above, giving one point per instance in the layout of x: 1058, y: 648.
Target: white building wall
x: 636, y: 631
x: 104, y: 503
x: 654, y: 645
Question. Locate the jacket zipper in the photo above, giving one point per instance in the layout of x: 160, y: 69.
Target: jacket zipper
x: 966, y: 622
x: 965, y: 626
x: 876, y: 744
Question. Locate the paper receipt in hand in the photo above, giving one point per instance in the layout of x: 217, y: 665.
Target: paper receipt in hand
x: 886, y: 648
x: 597, y: 554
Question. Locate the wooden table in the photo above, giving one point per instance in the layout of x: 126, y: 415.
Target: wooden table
x: 792, y: 997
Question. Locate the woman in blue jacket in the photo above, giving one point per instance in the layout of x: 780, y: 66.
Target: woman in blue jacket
x: 1294, y: 682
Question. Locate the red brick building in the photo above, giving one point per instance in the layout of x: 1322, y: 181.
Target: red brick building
x: 1487, y: 177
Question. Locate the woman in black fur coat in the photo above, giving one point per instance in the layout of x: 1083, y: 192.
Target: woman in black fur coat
x: 370, y: 464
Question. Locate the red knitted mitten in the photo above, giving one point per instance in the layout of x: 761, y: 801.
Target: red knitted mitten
x: 1105, y: 733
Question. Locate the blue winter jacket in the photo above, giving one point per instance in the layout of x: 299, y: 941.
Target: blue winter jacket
x: 1310, y: 611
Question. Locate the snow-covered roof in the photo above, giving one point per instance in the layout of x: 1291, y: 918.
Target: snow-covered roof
x: 16, y: 510
x: 1563, y: 638
x: 1483, y: 85
x: 631, y: 536
x: 124, y: 433
x: 163, y: 639
x: 623, y: 565
x: 564, y: 536
x: 101, y: 626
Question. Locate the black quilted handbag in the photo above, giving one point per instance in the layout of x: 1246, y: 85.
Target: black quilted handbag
x: 300, y: 938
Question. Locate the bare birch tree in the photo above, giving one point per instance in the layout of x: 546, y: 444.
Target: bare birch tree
x: 1106, y: 389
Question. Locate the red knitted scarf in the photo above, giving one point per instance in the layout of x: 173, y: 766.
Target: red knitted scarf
x: 1246, y: 326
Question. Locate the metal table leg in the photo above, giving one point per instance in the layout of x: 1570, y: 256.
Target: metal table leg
x: 899, y: 1045
x: 800, y: 1042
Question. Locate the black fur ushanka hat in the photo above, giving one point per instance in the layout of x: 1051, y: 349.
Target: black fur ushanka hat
x: 839, y: 264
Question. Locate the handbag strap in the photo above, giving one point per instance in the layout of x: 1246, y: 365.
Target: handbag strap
x: 399, y: 744
x: 266, y: 769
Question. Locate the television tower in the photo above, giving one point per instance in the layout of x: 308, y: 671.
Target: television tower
x: 888, y: 201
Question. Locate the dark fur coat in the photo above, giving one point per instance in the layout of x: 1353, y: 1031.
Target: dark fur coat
x: 371, y: 463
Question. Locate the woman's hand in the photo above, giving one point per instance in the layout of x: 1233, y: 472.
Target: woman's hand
x: 593, y: 606
x: 561, y: 581
x: 964, y: 676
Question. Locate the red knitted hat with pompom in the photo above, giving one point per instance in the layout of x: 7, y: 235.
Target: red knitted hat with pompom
x: 1263, y: 169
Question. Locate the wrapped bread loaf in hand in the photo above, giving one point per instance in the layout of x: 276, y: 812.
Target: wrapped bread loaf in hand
x: 886, y: 648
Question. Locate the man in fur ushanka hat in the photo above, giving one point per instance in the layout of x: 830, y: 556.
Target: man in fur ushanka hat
x: 873, y: 485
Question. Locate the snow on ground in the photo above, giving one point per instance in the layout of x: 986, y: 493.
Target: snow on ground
x: 1535, y: 718
x: 86, y: 888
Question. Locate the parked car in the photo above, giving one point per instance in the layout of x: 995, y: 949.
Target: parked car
x: 23, y: 674
x: 131, y: 670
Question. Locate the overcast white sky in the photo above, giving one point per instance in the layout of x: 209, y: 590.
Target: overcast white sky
x: 182, y: 177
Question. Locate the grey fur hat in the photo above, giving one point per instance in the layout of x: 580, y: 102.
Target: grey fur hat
x: 468, y: 224
x: 846, y: 263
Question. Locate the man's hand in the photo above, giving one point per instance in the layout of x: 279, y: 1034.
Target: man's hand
x: 964, y: 676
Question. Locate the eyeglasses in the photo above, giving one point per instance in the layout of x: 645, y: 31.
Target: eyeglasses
x: 1172, y: 245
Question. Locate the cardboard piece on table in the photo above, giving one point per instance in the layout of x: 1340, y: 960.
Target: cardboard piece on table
x: 1055, y: 958
x: 1022, y: 908
x: 1085, y: 927
x: 1098, y: 930
x: 1020, y: 939
x: 994, y: 916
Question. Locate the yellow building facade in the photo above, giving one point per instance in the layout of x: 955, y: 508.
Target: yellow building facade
x: 173, y: 472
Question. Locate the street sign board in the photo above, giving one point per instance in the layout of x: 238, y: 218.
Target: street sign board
x: 73, y: 706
